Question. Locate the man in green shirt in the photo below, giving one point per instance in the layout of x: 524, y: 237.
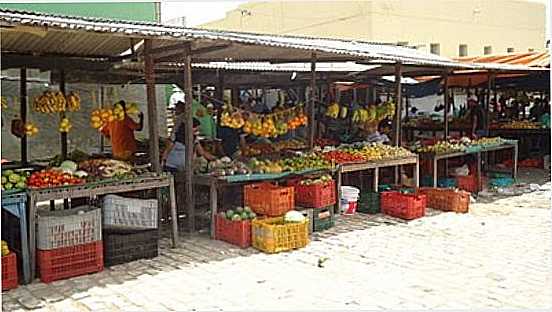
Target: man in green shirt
x: 207, y: 127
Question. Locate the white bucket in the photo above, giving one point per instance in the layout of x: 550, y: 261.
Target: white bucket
x: 349, y: 193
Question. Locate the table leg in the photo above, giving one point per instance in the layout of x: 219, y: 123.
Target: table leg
x: 174, y: 217
x: 435, y: 161
x: 32, y: 238
x: 213, y: 203
x: 376, y: 179
x: 417, y: 173
x: 24, y: 245
x: 478, y: 172
x: 397, y: 175
x: 338, y: 192
x: 515, y: 169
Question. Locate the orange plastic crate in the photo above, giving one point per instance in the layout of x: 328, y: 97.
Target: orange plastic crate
x: 447, y: 199
x: 469, y: 183
x: 404, y: 206
x: 314, y: 195
x: 234, y: 232
x: 268, y: 199
x: 9, y: 272
x: 65, y: 262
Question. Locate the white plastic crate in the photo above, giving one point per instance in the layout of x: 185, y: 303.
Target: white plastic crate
x: 64, y: 228
x: 129, y: 213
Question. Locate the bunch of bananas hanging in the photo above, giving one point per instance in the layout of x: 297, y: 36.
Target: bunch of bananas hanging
x: 333, y: 110
x: 4, y: 102
x: 132, y: 109
x: 364, y: 115
x: 30, y: 129
x: 65, y: 125
x: 73, y: 102
x: 101, y: 117
x: 50, y: 102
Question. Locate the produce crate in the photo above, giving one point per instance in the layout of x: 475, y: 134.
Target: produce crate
x: 369, y: 202
x: 268, y: 199
x: 315, y: 195
x: 309, y: 214
x: 469, y: 183
x: 323, y: 219
x: 445, y: 182
x: 501, y: 182
x: 404, y: 206
x: 9, y: 272
x: 65, y: 262
x: 120, y: 213
x: 233, y: 232
x: 272, y: 235
x: 64, y: 228
x: 123, y: 247
x: 447, y: 199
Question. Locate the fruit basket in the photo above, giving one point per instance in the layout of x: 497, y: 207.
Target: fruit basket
x: 64, y: 228
x: 123, y: 247
x: 268, y: 199
x: 120, y: 213
x: 446, y: 199
x: 233, y: 232
x: 273, y: 235
x: 9, y: 271
x: 65, y: 262
x: 403, y: 206
x: 315, y: 195
x: 323, y: 219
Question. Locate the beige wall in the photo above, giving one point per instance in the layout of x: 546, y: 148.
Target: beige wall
x: 500, y: 24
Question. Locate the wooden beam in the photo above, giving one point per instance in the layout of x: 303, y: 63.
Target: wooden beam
x: 9, y: 60
x: 446, y: 101
x: 62, y: 115
x: 190, y: 208
x: 23, y: 109
x: 398, y: 105
x: 312, y: 122
x: 176, y: 54
x: 153, y: 122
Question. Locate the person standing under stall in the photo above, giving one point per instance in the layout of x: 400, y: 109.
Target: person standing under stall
x: 121, y: 134
x: 477, y: 118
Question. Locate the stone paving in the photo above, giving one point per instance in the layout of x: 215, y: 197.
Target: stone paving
x: 497, y: 256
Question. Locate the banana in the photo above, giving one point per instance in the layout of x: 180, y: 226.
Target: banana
x: 343, y: 113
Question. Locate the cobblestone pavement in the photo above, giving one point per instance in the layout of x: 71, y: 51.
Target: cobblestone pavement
x: 497, y: 256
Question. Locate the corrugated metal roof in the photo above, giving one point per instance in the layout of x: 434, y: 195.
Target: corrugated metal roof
x: 33, y: 32
x: 531, y: 59
x: 283, y: 67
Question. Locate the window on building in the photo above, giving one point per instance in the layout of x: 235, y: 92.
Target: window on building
x: 435, y: 48
x: 531, y: 50
x: 510, y: 50
x: 463, y: 50
x: 402, y: 43
x: 487, y: 50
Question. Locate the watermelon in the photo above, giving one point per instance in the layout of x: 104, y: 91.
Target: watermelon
x: 236, y: 217
x: 247, y: 209
x: 252, y: 215
x: 244, y: 215
x: 229, y: 214
x: 239, y: 209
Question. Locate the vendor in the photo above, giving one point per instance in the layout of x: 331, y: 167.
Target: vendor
x: 174, y: 156
x: 207, y: 126
x: 477, y: 118
x: 121, y: 133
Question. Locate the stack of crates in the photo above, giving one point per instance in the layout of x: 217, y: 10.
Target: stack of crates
x: 130, y: 229
x: 69, y: 243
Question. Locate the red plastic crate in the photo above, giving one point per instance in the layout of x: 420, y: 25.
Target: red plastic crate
x: 65, y: 262
x: 268, y: 199
x: 404, y: 206
x: 9, y: 272
x: 314, y: 195
x: 469, y: 183
x: 233, y: 232
x: 446, y: 199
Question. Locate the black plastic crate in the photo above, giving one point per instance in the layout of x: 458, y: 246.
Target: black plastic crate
x: 323, y: 218
x: 123, y: 247
x: 369, y: 202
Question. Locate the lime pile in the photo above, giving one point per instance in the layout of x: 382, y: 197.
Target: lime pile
x: 12, y: 180
x: 240, y: 214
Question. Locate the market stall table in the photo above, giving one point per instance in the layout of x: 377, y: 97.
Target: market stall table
x: 376, y: 165
x: 102, y: 187
x: 436, y: 157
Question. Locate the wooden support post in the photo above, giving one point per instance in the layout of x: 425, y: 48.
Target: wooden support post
x: 312, y: 101
x: 235, y: 96
x: 153, y: 122
x: 220, y: 94
x: 62, y: 115
x: 490, y: 78
x: 190, y: 208
x: 398, y: 105
x: 23, y: 109
x: 446, y: 95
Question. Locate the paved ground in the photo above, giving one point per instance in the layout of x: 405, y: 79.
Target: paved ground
x: 497, y: 256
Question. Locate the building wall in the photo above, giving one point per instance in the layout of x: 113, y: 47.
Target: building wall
x: 500, y: 24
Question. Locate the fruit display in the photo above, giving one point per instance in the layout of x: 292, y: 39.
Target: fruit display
x: 239, y: 214
x: 105, y: 168
x: 520, y: 124
x: 300, y: 163
x: 321, y: 180
x: 56, y: 102
x: 258, y: 149
x: 265, y: 166
x: 52, y: 178
x: 5, y: 249
x: 342, y: 157
x: 442, y: 147
x: 100, y: 117
x: 378, y: 151
x: 30, y: 129
x: 487, y: 141
x: 65, y: 125
x: 226, y: 167
x: 13, y: 180
x: 324, y: 142
x: 289, y: 145
x: 73, y: 102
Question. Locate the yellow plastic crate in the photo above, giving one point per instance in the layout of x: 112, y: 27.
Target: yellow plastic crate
x: 272, y: 235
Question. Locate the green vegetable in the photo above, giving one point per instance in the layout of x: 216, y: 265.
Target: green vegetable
x: 14, y: 178
x: 4, y: 180
x: 8, y: 186
x: 21, y: 185
x: 229, y: 214
x: 7, y: 173
x: 236, y: 217
x: 244, y: 215
x: 239, y: 209
x: 247, y: 209
x: 252, y: 215
x: 69, y: 166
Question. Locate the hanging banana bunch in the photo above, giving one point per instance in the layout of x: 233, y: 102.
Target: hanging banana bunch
x: 73, y: 102
x: 333, y: 110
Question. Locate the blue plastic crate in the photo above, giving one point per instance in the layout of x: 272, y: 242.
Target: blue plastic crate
x: 446, y: 182
x: 501, y: 182
x: 426, y: 181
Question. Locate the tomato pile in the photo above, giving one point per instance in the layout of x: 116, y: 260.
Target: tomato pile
x: 342, y: 157
x: 52, y: 178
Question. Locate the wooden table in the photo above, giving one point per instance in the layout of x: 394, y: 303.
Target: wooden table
x: 344, y: 168
x: 436, y: 157
x: 90, y: 190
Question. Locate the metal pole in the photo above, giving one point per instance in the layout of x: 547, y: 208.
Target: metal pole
x: 23, y: 108
x: 62, y: 115
x: 189, y: 137
x: 153, y: 126
x: 445, y: 93
x: 398, y: 109
x: 312, y: 101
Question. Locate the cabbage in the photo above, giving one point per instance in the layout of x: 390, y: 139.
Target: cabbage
x: 294, y: 216
x: 68, y: 166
